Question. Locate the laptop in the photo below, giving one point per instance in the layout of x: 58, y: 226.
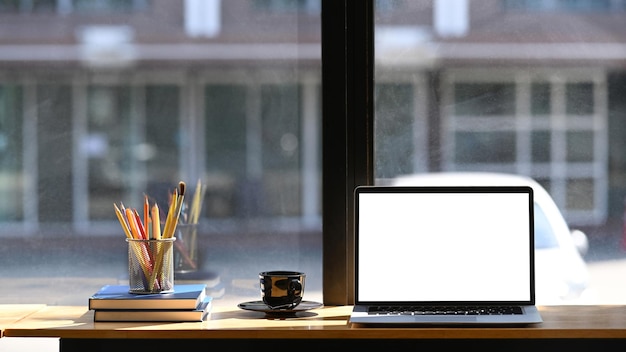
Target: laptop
x: 444, y: 255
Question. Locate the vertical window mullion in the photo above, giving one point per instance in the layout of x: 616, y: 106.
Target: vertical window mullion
x: 347, y: 118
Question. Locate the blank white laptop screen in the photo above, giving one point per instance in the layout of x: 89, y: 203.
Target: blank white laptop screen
x: 444, y: 247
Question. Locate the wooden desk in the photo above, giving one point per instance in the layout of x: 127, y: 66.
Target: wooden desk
x: 11, y: 313
x: 571, y: 327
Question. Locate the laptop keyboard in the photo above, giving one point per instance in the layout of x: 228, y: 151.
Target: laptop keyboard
x: 444, y: 310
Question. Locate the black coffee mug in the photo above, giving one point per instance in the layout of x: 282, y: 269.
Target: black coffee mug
x: 282, y: 289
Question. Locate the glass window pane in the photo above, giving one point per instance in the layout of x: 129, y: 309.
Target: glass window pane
x: 96, y: 6
x: 580, y: 195
x: 225, y: 149
x: 500, y: 100
x: 281, y: 138
x: 162, y: 147
x: 54, y: 153
x: 580, y: 146
x: 541, y: 146
x: 579, y: 98
x: 108, y: 148
x: 11, y: 155
x: 540, y: 99
x: 484, y: 147
x: 546, y: 183
x: 123, y: 104
x: 484, y: 99
x: 563, y: 5
x: 394, y: 112
x: 546, y: 237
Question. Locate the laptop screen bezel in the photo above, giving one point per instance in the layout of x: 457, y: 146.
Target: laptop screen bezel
x: 358, y: 191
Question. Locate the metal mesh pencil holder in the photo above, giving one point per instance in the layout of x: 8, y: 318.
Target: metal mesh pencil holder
x: 151, y: 265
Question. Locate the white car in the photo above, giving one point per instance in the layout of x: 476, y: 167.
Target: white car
x: 561, y: 274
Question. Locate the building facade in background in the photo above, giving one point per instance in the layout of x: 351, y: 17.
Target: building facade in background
x: 105, y: 101
x: 526, y: 87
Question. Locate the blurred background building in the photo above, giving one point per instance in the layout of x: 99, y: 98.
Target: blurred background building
x: 528, y: 87
x: 104, y: 101
x: 101, y: 101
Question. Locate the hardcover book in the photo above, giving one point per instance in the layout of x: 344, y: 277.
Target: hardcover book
x: 184, y: 297
x: 200, y: 313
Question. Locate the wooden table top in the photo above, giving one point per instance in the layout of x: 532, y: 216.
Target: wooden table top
x: 230, y: 322
x: 11, y: 313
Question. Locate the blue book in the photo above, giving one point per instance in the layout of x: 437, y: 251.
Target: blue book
x: 184, y: 296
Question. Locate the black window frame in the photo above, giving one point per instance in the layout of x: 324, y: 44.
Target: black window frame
x: 347, y: 135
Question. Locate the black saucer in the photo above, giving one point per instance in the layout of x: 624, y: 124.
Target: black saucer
x: 259, y: 306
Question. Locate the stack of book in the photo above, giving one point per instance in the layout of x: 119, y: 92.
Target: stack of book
x: 188, y: 302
